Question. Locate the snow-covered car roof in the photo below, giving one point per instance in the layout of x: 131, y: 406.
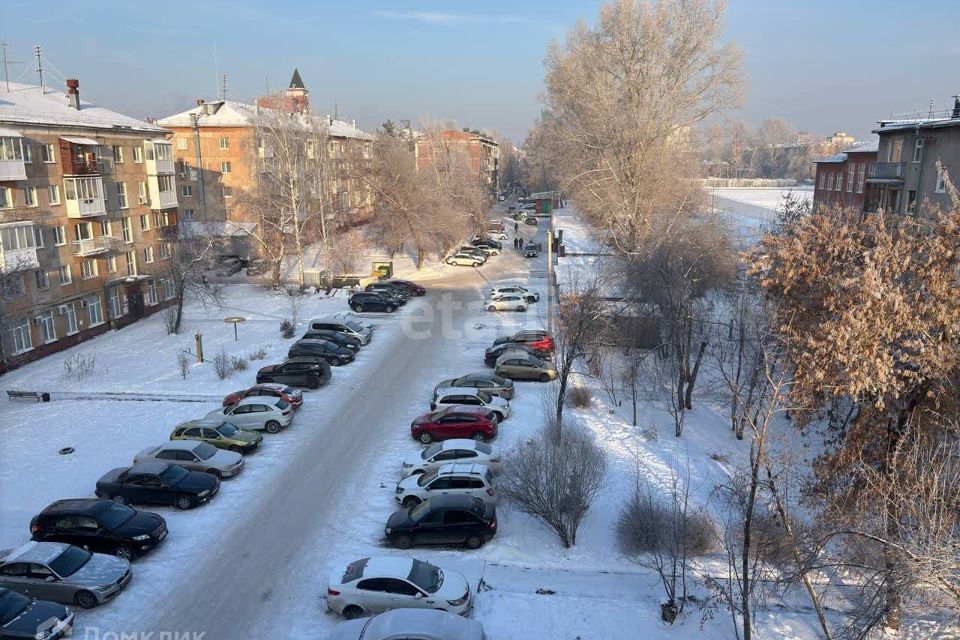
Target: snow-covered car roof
x: 460, y: 391
x: 383, y: 566
x: 462, y: 469
x: 39, y: 552
x: 421, y: 623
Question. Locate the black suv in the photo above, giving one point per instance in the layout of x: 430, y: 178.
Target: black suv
x: 333, y: 353
x: 297, y: 373
x: 444, y: 519
x: 389, y: 290
x: 488, y: 242
x: 367, y: 301
x: 101, y: 526
x: 340, y: 339
x: 158, y: 483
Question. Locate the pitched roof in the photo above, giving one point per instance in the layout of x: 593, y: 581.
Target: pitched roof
x: 26, y: 104
x: 296, y: 82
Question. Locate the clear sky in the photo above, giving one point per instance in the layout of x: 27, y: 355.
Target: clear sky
x: 823, y: 65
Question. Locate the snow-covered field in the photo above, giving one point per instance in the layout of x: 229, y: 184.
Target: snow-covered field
x: 752, y: 208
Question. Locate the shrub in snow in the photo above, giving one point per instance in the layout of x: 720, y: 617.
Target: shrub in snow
x: 183, y: 363
x: 579, y: 396
x: 79, y: 365
x: 238, y: 364
x: 287, y: 329
x: 169, y: 317
x: 222, y: 365
x: 555, y: 479
x: 257, y: 354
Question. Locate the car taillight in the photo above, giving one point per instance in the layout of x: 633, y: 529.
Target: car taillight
x: 331, y: 592
x: 492, y: 525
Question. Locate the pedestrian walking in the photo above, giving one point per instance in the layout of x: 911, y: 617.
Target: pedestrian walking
x: 516, y: 227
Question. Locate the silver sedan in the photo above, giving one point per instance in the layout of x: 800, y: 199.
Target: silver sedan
x: 195, y: 456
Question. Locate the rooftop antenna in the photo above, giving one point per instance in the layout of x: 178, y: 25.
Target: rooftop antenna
x: 266, y: 82
x: 930, y: 112
x: 38, y: 51
x: 6, y: 62
x: 216, y: 72
x: 336, y: 110
x: 224, y: 89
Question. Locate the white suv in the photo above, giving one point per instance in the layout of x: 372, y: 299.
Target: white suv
x: 514, y: 290
x: 451, y: 396
x: 455, y: 478
x: 456, y: 450
x: 262, y: 413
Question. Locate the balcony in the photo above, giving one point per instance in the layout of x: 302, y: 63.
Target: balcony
x: 80, y: 157
x: 17, y: 249
x: 159, y: 157
x: 12, y: 166
x: 97, y: 245
x: 84, y: 197
x: 886, y: 171
x: 163, y: 194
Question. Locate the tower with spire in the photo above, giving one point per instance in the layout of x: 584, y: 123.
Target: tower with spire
x: 295, y: 99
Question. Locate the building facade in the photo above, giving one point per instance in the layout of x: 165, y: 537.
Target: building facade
x: 841, y: 179
x: 483, y: 153
x: 88, y: 220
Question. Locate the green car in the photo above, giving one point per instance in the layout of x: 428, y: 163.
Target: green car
x: 219, y: 433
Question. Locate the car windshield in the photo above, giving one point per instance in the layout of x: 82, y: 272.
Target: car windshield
x: 420, y: 510
x: 484, y: 397
x: 431, y: 451
x: 426, y: 576
x: 426, y: 478
x: 70, y: 561
x: 12, y: 605
x: 115, y: 515
x: 354, y: 570
x: 290, y: 391
x: 283, y: 405
x: 205, y: 451
x: 354, y: 326
x: 172, y: 475
x: 227, y: 430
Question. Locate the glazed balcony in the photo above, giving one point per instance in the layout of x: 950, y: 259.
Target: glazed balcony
x: 12, y: 166
x: 159, y: 157
x: 18, y: 251
x: 97, y: 245
x: 84, y: 197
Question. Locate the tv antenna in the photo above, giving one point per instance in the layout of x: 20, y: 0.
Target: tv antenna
x: 6, y: 63
x: 38, y: 51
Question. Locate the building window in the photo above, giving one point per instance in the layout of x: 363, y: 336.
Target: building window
x: 20, y: 336
x: 182, y: 144
x: 65, y: 276
x: 117, y: 153
x: 893, y: 150
x: 227, y: 192
x: 918, y: 150
x: 823, y: 179
x: 225, y: 167
x: 131, y: 263
x: 840, y: 181
x: 71, y: 313
x: 59, y: 236
x: 861, y: 175
x: 42, y: 279
x: 165, y: 183
x: 30, y: 196
x: 137, y: 154
x: 142, y: 192
x: 148, y: 254
x: 53, y: 194
x: 49, y: 156
x: 187, y: 214
x: 152, y: 293
x: 27, y: 153
x: 106, y: 228
x: 181, y: 168
x: 15, y: 238
x: 38, y: 237
x: 88, y: 269
x: 224, y: 143
x: 851, y: 177
x: 186, y: 190
x: 144, y: 222
x: 83, y: 230
x: 122, y: 194
x: 156, y: 219
x: 941, y: 186
x: 111, y: 264
x: 48, y: 332
x: 94, y: 311
x: 115, y: 303
x: 830, y: 182
x: 126, y: 230
x: 166, y: 250
x: 6, y: 198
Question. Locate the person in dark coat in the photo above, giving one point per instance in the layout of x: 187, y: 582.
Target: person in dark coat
x: 516, y: 227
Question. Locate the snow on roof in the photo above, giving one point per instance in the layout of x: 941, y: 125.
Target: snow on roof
x: 83, y: 141
x: 871, y: 146
x: 837, y: 157
x: 26, y: 104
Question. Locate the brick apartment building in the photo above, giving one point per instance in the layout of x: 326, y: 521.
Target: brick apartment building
x: 482, y: 151
x: 88, y: 220
x: 841, y: 179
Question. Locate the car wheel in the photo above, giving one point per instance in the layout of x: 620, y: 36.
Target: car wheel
x: 215, y: 473
x: 388, y: 308
x: 184, y: 503
x: 425, y: 437
x: 477, y: 264
x: 335, y: 362
x: 86, y: 599
x: 358, y: 308
x: 119, y: 499
x: 352, y: 612
x: 544, y: 377
x: 479, y: 436
x: 410, y: 501
x: 473, y: 542
x: 520, y: 307
x: 124, y: 552
x: 500, y: 416
x: 272, y: 426
x: 403, y: 542
x: 236, y: 449
x: 313, y: 383
x: 492, y: 308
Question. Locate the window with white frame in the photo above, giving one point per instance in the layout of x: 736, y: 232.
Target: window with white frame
x: 48, y: 333
x: 137, y: 154
x: 6, y: 198
x: 226, y: 167
x: 187, y: 214
x: 148, y: 254
x: 224, y: 143
x: 861, y: 176
x: 11, y: 149
x: 20, y: 336
x: 186, y: 190
x: 106, y: 228
x: 83, y: 230
x: 182, y: 144
x: 165, y: 184
x: 941, y: 185
x: 131, y: 257
x: 11, y: 286
x: 126, y: 230
x: 70, y: 312
x: 840, y: 181
x: 88, y: 269
x: 16, y: 238
x: 894, y: 147
x: 28, y: 153
x: 166, y: 250
x: 53, y: 194
x: 65, y: 276
x: 30, y: 197
x: 94, y: 310
x: 918, y: 150
x: 156, y: 219
x: 38, y: 236
x: 111, y: 264
x: 122, y: 194
x: 168, y: 289
x: 851, y: 177
x: 115, y: 303
x: 144, y: 222
x: 117, y: 153
x: 142, y: 192
x: 152, y: 293
x: 41, y: 279
x: 59, y: 236
x: 830, y: 182
x: 48, y: 154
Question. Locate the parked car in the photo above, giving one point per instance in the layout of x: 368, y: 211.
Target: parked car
x: 464, y: 260
x: 520, y: 216
x: 463, y: 396
x: 258, y: 267
x: 219, y: 433
x: 364, y: 301
x: 492, y: 354
x: 471, y: 250
x: 487, y: 241
x: 296, y: 372
x: 340, y: 339
x: 328, y: 350
x: 259, y: 414
x: 453, y: 478
x: 409, y: 624
x: 496, y: 225
x: 373, y: 585
x: 455, y: 450
x: 521, y: 366
x: 269, y: 390
x: 388, y: 289
x: 506, y: 302
x: 63, y: 573
x: 25, y: 617
x: 347, y: 326
x: 443, y: 520
x: 530, y: 220
x: 483, y: 380
x: 194, y: 455
x: 227, y: 267
x: 535, y: 338
x: 513, y: 290
x: 158, y: 483
x: 497, y: 235
x: 412, y: 288
x: 478, y: 423
x: 101, y: 526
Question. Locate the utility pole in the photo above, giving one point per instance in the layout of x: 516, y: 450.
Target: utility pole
x: 224, y: 89
x: 550, y: 275
x: 38, y: 51
x: 6, y: 69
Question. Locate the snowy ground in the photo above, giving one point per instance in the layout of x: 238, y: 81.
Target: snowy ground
x: 752, y: 208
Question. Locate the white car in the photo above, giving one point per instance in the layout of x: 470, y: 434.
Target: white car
x: 464, y: 260
x: 526, y: 294
x: 409, y: 624
x: 456, y: 450
x: 488, y: 250
x: 453, y: 478
x: 262, y: 413
x: 194, y: 455
x: 450, y: 396
x: 511, y: 302
x: 372, y: 585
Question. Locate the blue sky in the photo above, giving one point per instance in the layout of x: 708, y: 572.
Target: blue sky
x: 823, y: 65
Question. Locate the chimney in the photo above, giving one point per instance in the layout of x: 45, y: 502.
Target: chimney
x: 353, y: 123
x: 73, y: 93
x: 956, y: 107
x: 199, y: 102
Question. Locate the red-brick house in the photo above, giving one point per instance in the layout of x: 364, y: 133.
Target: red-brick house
x: 840, y: 179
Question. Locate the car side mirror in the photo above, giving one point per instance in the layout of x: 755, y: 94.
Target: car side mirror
x: 418, y: 596
x: 50, y: 579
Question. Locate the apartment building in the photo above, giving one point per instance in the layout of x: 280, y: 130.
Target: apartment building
x: 841, y: 179
x: 482, y: 151
x: 88, y: 220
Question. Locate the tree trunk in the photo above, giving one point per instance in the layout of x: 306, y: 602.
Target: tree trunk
x: 692, y: 378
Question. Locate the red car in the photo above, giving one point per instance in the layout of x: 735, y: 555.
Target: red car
x: 458, y: 421
x: 536, y: 339
x: 271, y: 389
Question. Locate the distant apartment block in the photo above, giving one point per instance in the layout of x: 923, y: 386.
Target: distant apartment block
x: 841, y: 179
x: 88, y: 220
x: 483, y: 153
